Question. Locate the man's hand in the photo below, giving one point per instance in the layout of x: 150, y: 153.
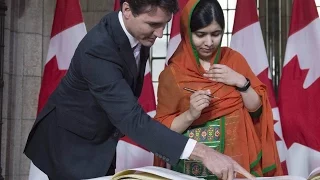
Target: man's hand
x: 220, y: 165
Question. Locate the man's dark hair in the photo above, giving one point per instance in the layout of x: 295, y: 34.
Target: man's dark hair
x: 204, y: 13
x: 144, y: 6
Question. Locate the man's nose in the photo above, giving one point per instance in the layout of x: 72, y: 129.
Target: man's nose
x: 159, y: 32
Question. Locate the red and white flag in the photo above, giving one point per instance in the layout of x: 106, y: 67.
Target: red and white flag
x: 175, y: 36
x: 247, y: 39
x: 299, y: 90
x: 67, y: 31
x: 130, y: 154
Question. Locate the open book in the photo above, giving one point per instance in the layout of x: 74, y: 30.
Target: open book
x: 158, y: 173
x: 148, y: 173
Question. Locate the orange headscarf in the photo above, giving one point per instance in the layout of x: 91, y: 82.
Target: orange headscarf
x: 250, y: 143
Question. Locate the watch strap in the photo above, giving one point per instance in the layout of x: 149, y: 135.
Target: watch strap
x: 245, y: 87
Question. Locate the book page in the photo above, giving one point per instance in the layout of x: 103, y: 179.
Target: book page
x: 315, y: 174
x: 158, y: 173
x: 139, y: 176
x: 148, y: 173
x: 259, y: 178
x: 277, y: 178
x: 162, y: 172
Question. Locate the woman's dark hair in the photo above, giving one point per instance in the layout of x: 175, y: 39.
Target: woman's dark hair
x: 205, y: 12
x: 142, y: 6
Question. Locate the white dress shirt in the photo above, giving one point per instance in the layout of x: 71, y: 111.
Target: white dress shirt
x: 134, y: 42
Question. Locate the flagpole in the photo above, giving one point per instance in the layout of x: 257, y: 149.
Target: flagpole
x: 3, y: 9
x: 285, y: 7
x: 273, y: 40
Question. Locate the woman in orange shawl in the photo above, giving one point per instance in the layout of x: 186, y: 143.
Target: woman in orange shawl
x: 229, y: 110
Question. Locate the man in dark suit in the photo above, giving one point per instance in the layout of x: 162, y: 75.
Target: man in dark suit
x: 76, y: 133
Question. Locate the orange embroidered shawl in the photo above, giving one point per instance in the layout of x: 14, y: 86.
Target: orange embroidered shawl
x: 250, y: 143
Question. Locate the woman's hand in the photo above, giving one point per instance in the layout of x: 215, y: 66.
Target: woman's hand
x: 224, y: 74
x: 198, y: 101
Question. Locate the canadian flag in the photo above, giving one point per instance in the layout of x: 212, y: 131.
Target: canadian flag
x: 128, y: 153
x: 299, y: 90
x: 175, y: 37
x: 67, y: 31
x: 247, y: 39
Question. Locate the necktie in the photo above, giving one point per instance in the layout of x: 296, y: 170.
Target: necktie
x: 136, y: 54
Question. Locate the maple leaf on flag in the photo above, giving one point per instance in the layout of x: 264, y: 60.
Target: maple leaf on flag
x: 299, y: 87
x: 302, y: 107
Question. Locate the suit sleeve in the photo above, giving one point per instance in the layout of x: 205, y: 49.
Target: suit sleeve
x: 107, y: 84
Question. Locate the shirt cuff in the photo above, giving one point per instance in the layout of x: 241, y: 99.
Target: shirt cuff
x: 188, y: 149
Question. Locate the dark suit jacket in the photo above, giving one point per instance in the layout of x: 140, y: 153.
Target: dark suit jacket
x: 76, y: 134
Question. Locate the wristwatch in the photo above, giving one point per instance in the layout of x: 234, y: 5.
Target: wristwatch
x: 245, y: 87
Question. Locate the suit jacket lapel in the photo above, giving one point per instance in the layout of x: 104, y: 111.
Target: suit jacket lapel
x: 125, y: 50
x: 126, y: 53
x: 144, y: 55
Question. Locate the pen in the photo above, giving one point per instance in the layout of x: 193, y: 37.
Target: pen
x: 193, y: 91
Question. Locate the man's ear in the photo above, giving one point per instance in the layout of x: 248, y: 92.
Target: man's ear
x: 126, y: 10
